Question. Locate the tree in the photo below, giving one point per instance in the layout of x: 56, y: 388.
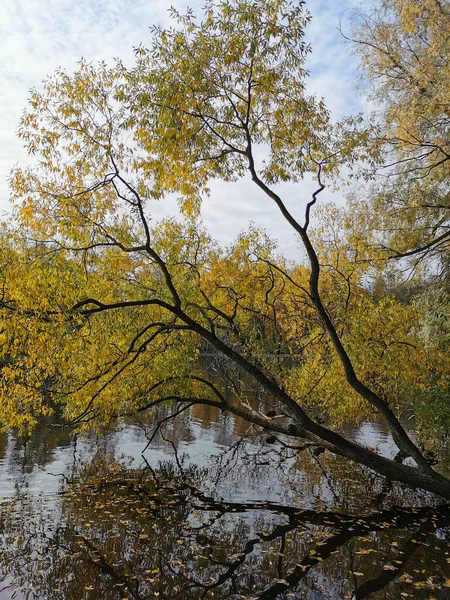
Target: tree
x: 105, y: 314
x: 404, y: 53
x: 403, y: 49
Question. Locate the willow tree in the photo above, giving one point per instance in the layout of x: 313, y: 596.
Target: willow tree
x: 404, y: 52
x: 105, y: 313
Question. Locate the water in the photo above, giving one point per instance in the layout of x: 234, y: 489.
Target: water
x: 212, y: 509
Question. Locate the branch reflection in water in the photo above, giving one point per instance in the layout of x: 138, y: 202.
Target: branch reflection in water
x: 212, y: 510
x: 138, y: 533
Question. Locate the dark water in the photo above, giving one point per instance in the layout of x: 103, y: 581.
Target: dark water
x: 212, y: 509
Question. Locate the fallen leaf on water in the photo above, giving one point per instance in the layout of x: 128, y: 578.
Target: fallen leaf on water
x: 282, y: 581
x: 236, y: 556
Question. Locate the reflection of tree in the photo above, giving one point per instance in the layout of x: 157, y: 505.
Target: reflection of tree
x: 3, y: 444
x: 144, y: 534
x: 232, y: 385
x: 407, y: 549
x: 38, y: 449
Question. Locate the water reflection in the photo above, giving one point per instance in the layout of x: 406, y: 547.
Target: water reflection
x: 123, y: 532
x: 213, y: 509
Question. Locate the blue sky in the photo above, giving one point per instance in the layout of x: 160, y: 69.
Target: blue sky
x: 38, y: 36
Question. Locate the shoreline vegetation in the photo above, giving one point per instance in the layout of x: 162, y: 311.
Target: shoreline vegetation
x: 104, y: 312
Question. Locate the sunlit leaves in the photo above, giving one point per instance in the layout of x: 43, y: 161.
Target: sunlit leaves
x: 112, y: 309
x: 404, y: 51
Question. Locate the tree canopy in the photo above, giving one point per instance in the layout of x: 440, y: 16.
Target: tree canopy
x: 105, y: 313
x: 404, y: 51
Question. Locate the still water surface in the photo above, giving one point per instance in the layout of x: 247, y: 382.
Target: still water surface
x: 210, y: 510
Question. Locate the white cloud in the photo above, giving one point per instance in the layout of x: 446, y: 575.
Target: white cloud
x: 36, y: 37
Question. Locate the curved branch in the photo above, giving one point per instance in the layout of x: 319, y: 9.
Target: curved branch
x: 401, y: 438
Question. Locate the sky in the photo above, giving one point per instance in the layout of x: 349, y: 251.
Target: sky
x: 39, y: 36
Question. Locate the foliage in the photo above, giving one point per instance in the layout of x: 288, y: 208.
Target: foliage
x: 107, y: 363
x: 105, y: 313
x: 404, y: 52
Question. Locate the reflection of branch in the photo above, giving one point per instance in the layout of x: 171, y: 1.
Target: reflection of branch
x: 100, y: 561
x: 163, y: 421
x: 246, y: 412
x: 280, y: 558
x: 398, y: 518
x: 226, y: 572
x: 230, y: 462
x: 388, y: 575
x: 6, y: 587
x: 326, y: 476
x: 347, y: 527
